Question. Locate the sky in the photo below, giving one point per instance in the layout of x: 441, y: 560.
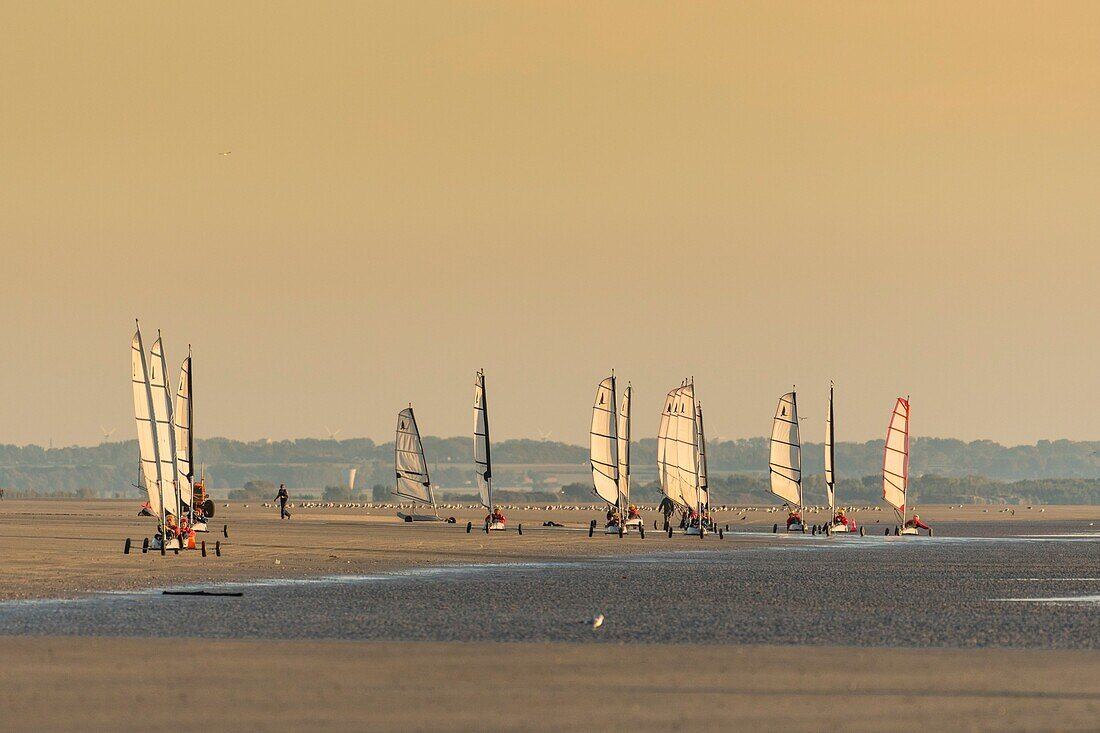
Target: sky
x: 899, y: 197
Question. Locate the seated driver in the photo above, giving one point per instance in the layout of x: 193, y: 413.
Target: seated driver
x: 613, y: 518
x: 633, y: 513
x: 496, y: 517
x: 916, y: 523
x: 793, y: 517
x: 171, y: 527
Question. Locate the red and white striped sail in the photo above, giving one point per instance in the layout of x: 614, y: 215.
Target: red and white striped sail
x: 895, y: 461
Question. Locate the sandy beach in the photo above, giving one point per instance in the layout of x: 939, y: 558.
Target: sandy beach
x: 55, y: 549
x: 58, y: 549
x: 49, y: 684
x: 73, y: 549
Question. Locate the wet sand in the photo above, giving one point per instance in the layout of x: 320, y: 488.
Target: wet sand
x: 58, y: 549
x: 55, y: 549
x: 59, y: 684
x: 366, y: 671
x: 792, y: 590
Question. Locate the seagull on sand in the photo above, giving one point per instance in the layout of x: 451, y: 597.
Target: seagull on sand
x: 226, y: 153
x: 597, y: 622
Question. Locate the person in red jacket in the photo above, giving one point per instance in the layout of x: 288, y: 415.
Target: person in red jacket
x: 841, y: 518
x: 793, y: 517
x: 916, y: 523
x: 495, y: 517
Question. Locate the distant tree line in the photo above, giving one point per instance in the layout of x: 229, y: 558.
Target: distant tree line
x: 738, y: 468
x: 752, y: 490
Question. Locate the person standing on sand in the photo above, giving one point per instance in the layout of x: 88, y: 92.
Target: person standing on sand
x: 667, y: 508
x: 283, y: 497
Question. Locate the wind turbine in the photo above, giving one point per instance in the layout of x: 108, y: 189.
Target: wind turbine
x: 107, y: 433
x: 332, y: 433
x: 544, y: 436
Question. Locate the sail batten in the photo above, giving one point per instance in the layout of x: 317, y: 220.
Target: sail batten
x: 482, y: 460
x: 785, y: 463
x: 604, y: 443
x: 895, y: 460
x: 410, y: 464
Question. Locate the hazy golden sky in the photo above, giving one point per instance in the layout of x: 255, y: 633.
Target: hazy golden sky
x: 902, y: 197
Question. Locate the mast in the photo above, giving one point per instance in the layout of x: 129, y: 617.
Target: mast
x: 830, y: 476
x: 148, y: 447
x: 410, y: 465
x: 482, y: 461
x: 604, y: 444
x: 785, y: 464
x: 895, y: 459
x: 624, y: 446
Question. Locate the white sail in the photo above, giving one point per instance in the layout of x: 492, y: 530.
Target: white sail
x: 785, y: 464
x: 412, y: 468
x: 687, y: 446
x: 185, y: 441
x: 677, y: 453
x: 830, y: 476
x: 165, y: 431
x: 704, y: 491
x: 148, y: 460
x: 482, y: 461
x: 604, y: 443
x: 351, y: 478
x: 624, y: 446
x: 895, y: 461
x: 663, y: 443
